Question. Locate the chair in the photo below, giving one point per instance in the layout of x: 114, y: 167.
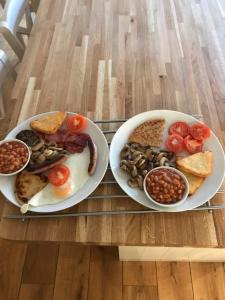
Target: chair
x: 6, y: 70
x: 9, y: 24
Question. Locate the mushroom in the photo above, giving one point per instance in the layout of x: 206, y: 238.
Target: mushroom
x: 48, y: 152
x: 38, y: 146
x: 133, y: 171
x: 41, y: 158
x: 142, y: 163
x: 140, y: 181
x: 144, y: 172
x: 162, y: 161
x: 132, y: 182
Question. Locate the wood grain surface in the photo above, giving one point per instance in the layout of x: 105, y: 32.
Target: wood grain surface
x: 92, y: 272
x: 110, y: 59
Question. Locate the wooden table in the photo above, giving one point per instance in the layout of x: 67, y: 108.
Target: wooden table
x: 109, y: 60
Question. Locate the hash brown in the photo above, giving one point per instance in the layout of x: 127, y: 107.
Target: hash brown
x: 199, y: 164
x: 49, y: 124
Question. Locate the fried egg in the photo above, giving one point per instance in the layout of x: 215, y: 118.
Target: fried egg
x: 78, y: 165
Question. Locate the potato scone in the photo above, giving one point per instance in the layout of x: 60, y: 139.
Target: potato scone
x: 27, y: 185
x: 199, y: 164
x: 49, y: 124
x: 148, y: 133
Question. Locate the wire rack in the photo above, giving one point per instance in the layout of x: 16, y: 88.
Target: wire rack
x: 109, y: 134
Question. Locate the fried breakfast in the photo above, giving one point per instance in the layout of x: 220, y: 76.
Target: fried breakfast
x: 145, y: 151
x: 59, y: 155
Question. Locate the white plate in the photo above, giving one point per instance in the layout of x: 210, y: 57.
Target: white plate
x: 7, y: 183
x: 207, y: 189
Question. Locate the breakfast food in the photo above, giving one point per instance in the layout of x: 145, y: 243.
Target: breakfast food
x: 175, y: 143
x: 199, y: 164
x: 57, y: 157
x: 183, y: 137
x: 13, y: 156
x: 165, y: 186
x: 194, y: 181
x: 49, y: 124
x: 27, y: 185
x: 29, y: 137
x: 76, y: 123
x: 65, y: 180
x: 148, y: 133
x: 137, y: 161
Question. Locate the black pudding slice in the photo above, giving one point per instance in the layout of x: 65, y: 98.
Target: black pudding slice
x: 29, y: 137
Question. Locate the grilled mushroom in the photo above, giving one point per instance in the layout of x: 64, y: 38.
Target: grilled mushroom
x: 133, y: 182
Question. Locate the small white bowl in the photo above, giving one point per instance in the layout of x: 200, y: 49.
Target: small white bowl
x: 28, y: 159
x: 186, y: 192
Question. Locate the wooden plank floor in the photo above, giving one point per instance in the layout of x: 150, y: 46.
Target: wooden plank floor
x: 45, y: 271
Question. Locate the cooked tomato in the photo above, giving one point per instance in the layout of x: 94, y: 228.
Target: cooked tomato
x: 76, y: 123
x: 175, y: 143
x: 180, y: 128
x: 192, y: 145
x: 200, y: 131
x: 59, y: 175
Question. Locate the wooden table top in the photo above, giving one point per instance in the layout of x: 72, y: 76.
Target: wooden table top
x: 113, y: 59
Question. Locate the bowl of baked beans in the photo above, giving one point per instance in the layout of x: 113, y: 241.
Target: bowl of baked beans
x: 14, y: 157
x: 166, y: 186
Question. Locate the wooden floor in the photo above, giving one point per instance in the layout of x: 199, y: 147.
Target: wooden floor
x: 45, y: 271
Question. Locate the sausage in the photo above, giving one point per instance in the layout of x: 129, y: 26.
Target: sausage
x: 46, y: 165
x: 93, y: 157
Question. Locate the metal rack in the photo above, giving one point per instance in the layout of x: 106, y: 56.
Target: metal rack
x: 108, y: 133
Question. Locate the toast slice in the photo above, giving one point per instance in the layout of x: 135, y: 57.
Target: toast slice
x: 49, y: 124
x: 199, y: 164
x: 148, y: 133
x: 27, y: 185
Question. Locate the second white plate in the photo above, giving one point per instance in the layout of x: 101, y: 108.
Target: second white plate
x: 207, y: 189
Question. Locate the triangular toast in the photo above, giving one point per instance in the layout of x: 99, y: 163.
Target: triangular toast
x: 148, y: 133
x: 199, y: 164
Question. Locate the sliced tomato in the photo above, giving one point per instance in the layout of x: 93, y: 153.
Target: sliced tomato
x: 192, y: 145
x: 76, y: 123
x: 59, y: 175
x: 200, y: 131
x: 181, y: 128
x: 175, y: 143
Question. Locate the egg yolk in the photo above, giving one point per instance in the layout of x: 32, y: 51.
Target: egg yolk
x: 63, y: 190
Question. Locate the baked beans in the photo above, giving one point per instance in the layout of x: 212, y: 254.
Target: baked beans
x: 13, y: 156
x: 165, y: 186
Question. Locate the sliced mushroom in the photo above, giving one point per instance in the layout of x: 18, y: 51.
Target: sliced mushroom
x: 48, y: 152
x: 140, y: 181
x: 160, y: 156
x: 124, y: 153
x: 142, y: 163
x: 132, y: 182
x: 149, y: 154
x: 144, y: 172
x: 38, y: 146
x: 163, y: 160
x: 41, y: 158
x: 133, y: 171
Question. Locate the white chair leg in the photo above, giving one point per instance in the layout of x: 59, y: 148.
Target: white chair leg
x: 2, y: 109
x: 13, y: 42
